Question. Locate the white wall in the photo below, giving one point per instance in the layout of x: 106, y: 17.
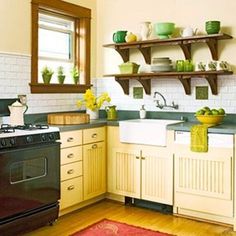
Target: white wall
x: 122, y: 14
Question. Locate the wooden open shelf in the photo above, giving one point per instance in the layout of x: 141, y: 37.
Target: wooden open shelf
x: 183, y: 77
x: 184, y: 42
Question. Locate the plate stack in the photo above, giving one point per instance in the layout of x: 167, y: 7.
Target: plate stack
x: 161, y: 64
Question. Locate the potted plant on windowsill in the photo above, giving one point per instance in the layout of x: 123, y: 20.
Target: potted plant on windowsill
x: 75, y: 74
x: 60, y: 75
x: 47, y: 74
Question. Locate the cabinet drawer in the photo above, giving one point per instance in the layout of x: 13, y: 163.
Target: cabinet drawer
x: 71, y: 154
x: 71, y: 138
x: 72, y: 170
x: 93, y: 135
x: 71, y: 192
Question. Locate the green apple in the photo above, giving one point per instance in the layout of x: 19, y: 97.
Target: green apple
x: 206, y: 108
x: 208, y: 113
x: 200, y: 112
x: 215, y: 112
x: 221, y: 111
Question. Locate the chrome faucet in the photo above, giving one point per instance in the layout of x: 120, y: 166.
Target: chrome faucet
x: 161, y: 106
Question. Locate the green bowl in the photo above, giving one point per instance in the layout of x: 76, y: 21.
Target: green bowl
x: 164, y: 29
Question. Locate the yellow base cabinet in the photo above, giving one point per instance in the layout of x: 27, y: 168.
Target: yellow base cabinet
x: 71, y: 169
x: 124, y: 172
x: 139, y: 171
x: 83, y: 166
x: 204, y: 183
x: 157, y: 175
x: 94, y: 170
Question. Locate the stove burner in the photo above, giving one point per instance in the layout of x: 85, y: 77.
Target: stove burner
x: 32, y: 127
x: 5, y: 128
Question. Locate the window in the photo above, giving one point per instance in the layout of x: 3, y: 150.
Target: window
x: 60, y: 38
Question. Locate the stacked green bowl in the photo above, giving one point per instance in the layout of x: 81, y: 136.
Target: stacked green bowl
x: 212, y: 27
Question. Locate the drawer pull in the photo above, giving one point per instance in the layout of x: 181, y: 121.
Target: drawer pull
x: 137, y: 157
x: 94, y: 135
x: 71, y: 155
x: 142, y: 158
x: 71, y: 171
x: 70, y: 139
x: 94, y: 146
x: 71, y: 187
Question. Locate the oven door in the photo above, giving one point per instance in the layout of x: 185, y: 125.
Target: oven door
x: 29, y: 178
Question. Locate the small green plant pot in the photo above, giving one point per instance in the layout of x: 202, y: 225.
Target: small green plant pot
x: 61, y: 79
x: 47, y: 78
x: 76, y: 79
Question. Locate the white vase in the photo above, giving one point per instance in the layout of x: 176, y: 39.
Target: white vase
x: 93, y: 114
x: 146, y: 29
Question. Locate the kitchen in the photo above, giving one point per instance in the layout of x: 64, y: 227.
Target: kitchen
x: 107, y: 18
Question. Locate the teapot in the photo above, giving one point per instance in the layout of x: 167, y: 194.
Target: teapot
x: 17, y: 111
x: 111, y: 112
x: 188, y: 32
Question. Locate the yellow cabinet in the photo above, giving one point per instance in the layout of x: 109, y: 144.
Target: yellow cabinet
x: 204, y: 181
x: 139, y: 171
x: 94, y: 162
x: 71, y: 169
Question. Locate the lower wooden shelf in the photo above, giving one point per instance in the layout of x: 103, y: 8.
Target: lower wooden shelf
x: 183, y: 77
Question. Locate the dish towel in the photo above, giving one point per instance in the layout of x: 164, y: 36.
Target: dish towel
x: 199, y: 139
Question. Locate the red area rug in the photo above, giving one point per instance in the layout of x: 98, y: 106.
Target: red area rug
x: 111, y: 228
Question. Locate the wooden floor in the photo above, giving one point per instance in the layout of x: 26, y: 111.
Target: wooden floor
x: 77, y: 220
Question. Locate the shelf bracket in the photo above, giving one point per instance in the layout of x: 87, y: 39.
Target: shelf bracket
x: 124, y: 53
x: 124, y: 83
x: 212, y: 44
x: 186, y: 48
x: 186, y: 82
x: 212, y: 80
x: 146, y: 83
x: 146, y: 52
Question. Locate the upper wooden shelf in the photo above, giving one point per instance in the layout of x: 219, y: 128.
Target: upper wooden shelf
x: 183, y: 42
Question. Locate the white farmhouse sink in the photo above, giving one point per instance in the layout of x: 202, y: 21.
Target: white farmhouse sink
x: 145, y: 131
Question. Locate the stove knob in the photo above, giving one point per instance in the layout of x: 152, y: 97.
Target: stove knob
x: 29, y: 139
x: 51, y: 137
x: 44, y: 137
x: 3, y: 142
x: 12, y: 141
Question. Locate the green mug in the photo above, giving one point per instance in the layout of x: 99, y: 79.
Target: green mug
x: 119, y: 36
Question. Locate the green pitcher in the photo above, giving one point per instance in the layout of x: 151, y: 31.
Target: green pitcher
x: 111, y: 112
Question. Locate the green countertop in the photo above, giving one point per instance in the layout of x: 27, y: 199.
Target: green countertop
x: 225, y: 128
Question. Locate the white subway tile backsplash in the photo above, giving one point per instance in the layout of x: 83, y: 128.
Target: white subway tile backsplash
x: 15, y: 78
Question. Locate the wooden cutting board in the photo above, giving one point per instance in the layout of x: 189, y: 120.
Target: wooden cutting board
x: 68, y: 118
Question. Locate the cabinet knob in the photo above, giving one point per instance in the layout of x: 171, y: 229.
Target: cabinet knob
x: 70, y: 139
x: 71, y: 187
x: 94, y: 146
x: 142, y: 158
x: 137, y: 157
x: 94, y: 135
x: 71, y: 171
x: 71, y: 155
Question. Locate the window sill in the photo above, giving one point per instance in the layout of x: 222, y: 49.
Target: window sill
x: 58, y: 88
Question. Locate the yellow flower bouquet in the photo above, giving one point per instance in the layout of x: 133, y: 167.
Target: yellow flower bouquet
x: 91, y: 102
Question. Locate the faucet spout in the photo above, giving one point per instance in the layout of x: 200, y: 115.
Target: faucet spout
x: 164, y: 100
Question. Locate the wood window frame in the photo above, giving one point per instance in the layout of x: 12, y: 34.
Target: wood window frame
x: 82, y: 18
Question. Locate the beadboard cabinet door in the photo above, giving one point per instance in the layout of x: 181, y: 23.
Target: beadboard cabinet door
x: 204, y: 181
x: 94, y: 169
x: 157, y: 175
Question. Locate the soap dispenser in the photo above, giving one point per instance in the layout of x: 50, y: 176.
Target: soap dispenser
x: 142, y: 113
